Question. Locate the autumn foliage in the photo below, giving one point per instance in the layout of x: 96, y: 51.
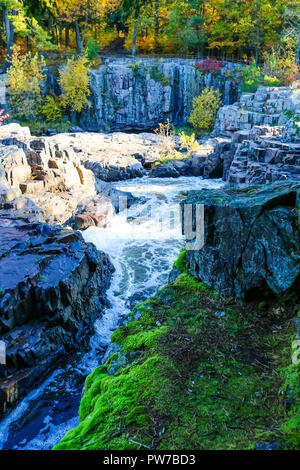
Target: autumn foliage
x: 3, y: 116
x: 209, y: 65
x: 205, y: 108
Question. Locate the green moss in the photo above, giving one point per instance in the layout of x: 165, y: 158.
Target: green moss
x: 180, y: 263
x: 188, y: 130
x: 291, y: 387
x: 111, y: 412
x: 201, y: 372
x: 144, y: 339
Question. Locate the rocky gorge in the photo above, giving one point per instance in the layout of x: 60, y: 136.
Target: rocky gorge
x: 207, y: 338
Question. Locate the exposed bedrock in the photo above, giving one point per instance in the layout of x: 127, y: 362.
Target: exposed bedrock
x: 51, y: 174
x: 264, y: 128
x: 251, y: 240
x: 138, y: 94
x: 52, y: 288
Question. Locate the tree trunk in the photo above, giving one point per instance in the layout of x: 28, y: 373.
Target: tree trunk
x: 9, y: 32
x: 134, y: 38
x: 67, y: 35
x: 225, y: 26
x: 257, y: 47
x: 57, y: 35
x: 52, y: 29
x: 78, y: 41
x: 202, y: 31
x: 297, y: 57
x: 96, y: 26
x: 60, y: 31
x: 156, y: 29
x: 1, y: 38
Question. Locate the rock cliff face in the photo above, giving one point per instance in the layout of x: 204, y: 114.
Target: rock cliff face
x: 132, y: 94
x: 53, y: 286
x: 137, y: 95
x: 251, y: 240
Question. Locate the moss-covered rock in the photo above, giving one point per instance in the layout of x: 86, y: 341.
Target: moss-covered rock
x: 195, y: 371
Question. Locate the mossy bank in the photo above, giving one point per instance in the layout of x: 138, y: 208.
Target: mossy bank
x: 194, y: 371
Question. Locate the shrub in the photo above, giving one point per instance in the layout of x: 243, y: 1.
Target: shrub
x: 167, y: 134
x: 3, y: 116
x: 251, y: 78
x: 39, y: 127
x: 280, y: 64
x: 188, y: 142
x: 52, y: 109
x: 158, y: 76
x: 74, y: 82
x: 91, y: 50
x: 209, y: 65
x: 205, y: 108
x: 25, y: 78
x: 271, y: 81
x: 135, y: 67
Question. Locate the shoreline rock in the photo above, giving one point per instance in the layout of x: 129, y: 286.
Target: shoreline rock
x: 53, y: 287
x: 251, y: 240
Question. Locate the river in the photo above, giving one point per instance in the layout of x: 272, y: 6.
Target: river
x: 142, y: 244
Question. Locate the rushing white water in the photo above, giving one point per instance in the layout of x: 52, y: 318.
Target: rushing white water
x: 143, y: 245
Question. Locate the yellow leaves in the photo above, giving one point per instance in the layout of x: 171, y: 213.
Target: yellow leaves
x: 74, y: 82
x: 216, y: 44
x: 188, y: 142
x: 25, y: 77
x: 205, y: 108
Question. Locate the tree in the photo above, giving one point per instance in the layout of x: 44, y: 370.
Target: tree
x: 291, y: 25
x: 11, y: 9
x: 74, y: 82
x: 205, y: 108
x: 198, y: 20
x: 25, y: 77
x: 132, y: 8
x: 20, y: 17
x: 156, y: 22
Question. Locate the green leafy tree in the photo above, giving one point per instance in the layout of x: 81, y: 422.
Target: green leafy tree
x: 52, y: 109
x: 21, y: 17
x: 132, y: 9
x: 251, y: 78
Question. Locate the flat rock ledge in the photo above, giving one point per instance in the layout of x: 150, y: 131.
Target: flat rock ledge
x: 52, y: 288
x: 251, y: 240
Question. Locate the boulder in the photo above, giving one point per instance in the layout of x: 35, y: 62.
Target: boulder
x: 13, y: 165
x: 12, y: 132
x: 95, y: 213
x: 251, y: 240
x: 172, y: 169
